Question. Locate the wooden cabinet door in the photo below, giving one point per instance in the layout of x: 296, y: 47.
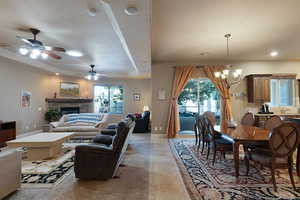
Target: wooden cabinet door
x: 266, y: 90
x: 258, y: 89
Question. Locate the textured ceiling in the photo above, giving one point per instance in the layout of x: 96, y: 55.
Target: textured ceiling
x: 67, y: 24
x: 182, y: 30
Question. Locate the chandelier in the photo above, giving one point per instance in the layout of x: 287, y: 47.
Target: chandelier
x: 230, y: 76
x: 92, y: 74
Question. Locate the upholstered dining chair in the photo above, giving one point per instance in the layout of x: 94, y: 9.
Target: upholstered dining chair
x: 203, y: 136
x: 248, y: 119
x: 273, y: 122
x: 270, y: 124
x: 217, y: 143
x: 196, y: 129
x: 284, y: 140
x: 211, y: 116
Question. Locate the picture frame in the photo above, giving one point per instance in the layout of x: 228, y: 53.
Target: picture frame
x: 69, y: 89
x: 25, y: 99
x: 136, y: 97
x: 161, y: 94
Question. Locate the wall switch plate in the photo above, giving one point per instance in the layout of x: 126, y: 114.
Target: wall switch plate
x: 155, y: 128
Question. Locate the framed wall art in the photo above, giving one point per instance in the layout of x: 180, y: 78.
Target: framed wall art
x: 136, y: 97
x: 69, y: 89
x: 25, y: 99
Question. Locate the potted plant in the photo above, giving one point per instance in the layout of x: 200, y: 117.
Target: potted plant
x: 52, y: 115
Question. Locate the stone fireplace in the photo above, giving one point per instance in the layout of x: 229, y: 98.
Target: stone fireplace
x: 68, y: 105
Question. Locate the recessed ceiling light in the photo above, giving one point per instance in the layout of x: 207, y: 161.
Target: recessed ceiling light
x: 74, y: 53
x: 131, y: 10
x: 274, y: 53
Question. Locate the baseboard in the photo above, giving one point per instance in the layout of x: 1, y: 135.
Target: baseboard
x: 29, y: 133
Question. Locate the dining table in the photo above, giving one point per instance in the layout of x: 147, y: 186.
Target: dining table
x: 241, y: 135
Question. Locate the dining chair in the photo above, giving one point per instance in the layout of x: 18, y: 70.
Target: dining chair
x: 196, y: 129
x: 217, y: 143
x: 203, y: 136
x: 248, y: 119
x: 270, y: 124
x: 284, y: 140
x: 273, y: 122
x: 211, y: 116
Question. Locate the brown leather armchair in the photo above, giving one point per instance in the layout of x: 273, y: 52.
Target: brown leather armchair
x: 99, y: 161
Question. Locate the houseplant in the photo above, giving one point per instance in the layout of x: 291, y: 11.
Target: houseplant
x: 52, y: 115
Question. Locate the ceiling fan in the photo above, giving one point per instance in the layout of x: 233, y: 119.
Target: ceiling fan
x: 36, y: 48
x: 93, y: 75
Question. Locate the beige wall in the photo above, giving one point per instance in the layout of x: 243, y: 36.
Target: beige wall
x: 15, y: 77
x: 131, y: 86
x: 241, y: 105
x: 162, y: 78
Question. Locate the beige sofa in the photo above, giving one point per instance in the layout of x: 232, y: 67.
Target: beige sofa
x: 10, y: 173
x: 84, y: 124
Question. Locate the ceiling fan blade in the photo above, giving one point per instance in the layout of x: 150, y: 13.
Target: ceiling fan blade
x: 55, y: 49
x: 24, y: 40
x: 52, y: 55
x: 58, y: 49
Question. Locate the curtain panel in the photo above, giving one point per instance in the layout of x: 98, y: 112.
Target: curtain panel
x: 182, y: 76
x: 223, y: 88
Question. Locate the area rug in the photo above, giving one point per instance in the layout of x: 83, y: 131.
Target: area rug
x: 48, y: 173
x: 205, y: 181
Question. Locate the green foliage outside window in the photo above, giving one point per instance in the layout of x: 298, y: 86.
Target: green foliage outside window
x: 198, y: 91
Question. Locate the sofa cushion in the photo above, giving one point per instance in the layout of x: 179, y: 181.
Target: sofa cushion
x: 103, y: 139
x: 83, y: 119
x: 76, y: 129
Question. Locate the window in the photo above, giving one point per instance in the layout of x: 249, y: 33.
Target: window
x: 198, y: 96
x: 282, y: 92
x: 108, y: 99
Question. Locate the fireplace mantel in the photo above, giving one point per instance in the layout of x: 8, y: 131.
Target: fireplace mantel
x: 84, y: 105
x: 69, y: 100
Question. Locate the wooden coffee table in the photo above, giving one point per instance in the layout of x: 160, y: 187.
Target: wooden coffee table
x: 42, y: 145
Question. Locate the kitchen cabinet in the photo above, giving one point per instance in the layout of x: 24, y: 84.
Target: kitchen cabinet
x: 258, y: 86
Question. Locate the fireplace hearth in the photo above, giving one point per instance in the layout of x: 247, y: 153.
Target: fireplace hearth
x: 69, y: 110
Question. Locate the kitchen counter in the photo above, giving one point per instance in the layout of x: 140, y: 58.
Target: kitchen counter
x: 260, y: 119
x: 279, y: 114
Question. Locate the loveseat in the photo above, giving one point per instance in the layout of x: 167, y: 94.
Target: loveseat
x: 83, y: 124
x: 10, y: 173
x: 100, y: 159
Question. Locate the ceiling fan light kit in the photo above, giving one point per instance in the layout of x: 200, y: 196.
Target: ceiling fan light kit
x: 92, y: 74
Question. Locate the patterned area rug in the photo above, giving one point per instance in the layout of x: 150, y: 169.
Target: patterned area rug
x: 204, y: 181
x: 48, y: 173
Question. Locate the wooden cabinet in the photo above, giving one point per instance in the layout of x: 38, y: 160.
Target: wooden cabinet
x: 258, y: 86
x: 7, y: 132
